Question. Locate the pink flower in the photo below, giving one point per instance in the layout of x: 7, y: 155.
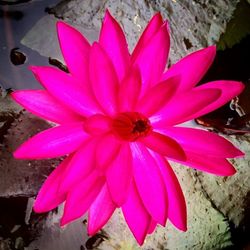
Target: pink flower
x: 117, y: 114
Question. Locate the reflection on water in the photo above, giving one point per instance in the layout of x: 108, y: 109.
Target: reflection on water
x: 16, y: 19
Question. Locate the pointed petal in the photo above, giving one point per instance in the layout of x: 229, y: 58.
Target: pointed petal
x: 192, y: 67
x: 213, y: 165
x: 199, y: 141
x: 229, y: 90
x: 97, y: 124
x: 114, y: 42
x: 136, y: 215
x: 152, y: 226
x: 119, y: 175
x: 157, y: 96
x: 130, y: 88
x: 80, y: 166
x: 75, y: 49
x: 65, y: 89
x: 149, y: 183
x: 49, y: 196
x: 100, y: 211
x: 81, y: 197
x: 153, y: 26
x: 153, y: 57
x: 106, y: 151
x: 53, y: 142
x: 177, y: 211
x: 183, y: 106
x: 164, y: 145
x: 42, y: 104
x: 104, y: 79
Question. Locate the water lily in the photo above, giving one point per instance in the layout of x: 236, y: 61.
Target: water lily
x: 116, y: 116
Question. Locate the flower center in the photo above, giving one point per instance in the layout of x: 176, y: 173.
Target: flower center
x: 130, y: 126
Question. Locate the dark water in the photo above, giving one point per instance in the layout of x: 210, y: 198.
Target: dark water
x: 16, y: 19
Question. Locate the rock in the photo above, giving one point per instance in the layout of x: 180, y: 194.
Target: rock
x: 54, y: 237
x: 194, y: 24
x: 43, y: 37
x: 20, y: 177
x: 207, y: 227
x: 231, y: 195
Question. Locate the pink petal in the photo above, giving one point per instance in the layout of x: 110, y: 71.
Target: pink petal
x: 149, y: 183
x: 100, y: 211
x: 97, y: 124
x: 130, y: 88
x: 164, y: 145
x: 153, y: 57
x: 104, y: 79
x: 75, y: 49
x: 114, y: 42
x: 53, y: 142
x: 49, y: 196
x: 65, y: 89
x: 199, y: 141
x: 153, y: 26
x: 119, y: 175
x: 81, y: 165
x: 157, y: 96
x: 136, y: 215
x: 229, y: 90
x: 184, y: 106
x: 192, y: 67
x: 41, y: 103
x: 213, y: 165
x: 81, y: 197
x: 152, y: 226
x: 106, y: 151
x: 177, y: 211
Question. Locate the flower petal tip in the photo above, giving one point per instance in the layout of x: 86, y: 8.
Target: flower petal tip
x: 64, y: 221
x: 107, y: 15
x: 213, y: 48
x: 108, y: 19
x: 91, y: 231
x: 39, y: 208
x: 183, y: 228
x: 23, y: 153
x: 13, y: 95
x: 241, y: 86
x: 239, y: 153
x: 232, y: 172
x: 34, y: 69
x: 61, y: 24
x: 18, y: 154
x: 210, y: 51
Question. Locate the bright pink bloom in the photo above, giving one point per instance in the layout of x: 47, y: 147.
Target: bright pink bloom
x: 116, y: 114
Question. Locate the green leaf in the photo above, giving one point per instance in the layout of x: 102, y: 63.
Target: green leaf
x: 237, y: 28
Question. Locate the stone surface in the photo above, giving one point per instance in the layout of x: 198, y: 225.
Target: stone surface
x: 19, y: 177
x: 229, y: 193
x: 207, y: 227
x: 54, y: 237
x: 193, y: 24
